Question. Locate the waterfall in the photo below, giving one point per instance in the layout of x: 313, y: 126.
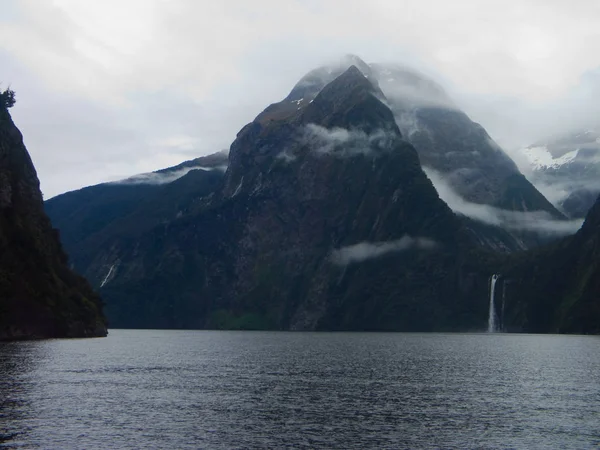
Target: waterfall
x: 502, y: 328
x: 492, y: 313
x: 107, y: 276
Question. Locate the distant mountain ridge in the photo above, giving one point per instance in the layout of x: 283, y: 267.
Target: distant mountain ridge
x: 90, y: 216
x: 570, y: 166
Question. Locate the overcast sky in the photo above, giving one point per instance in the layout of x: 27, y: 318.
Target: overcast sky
x: 107, y: 89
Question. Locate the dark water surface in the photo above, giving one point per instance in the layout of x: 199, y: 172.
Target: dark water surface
x: 203, y: 389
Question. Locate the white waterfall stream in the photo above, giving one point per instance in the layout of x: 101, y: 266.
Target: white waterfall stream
x: 492, y: 312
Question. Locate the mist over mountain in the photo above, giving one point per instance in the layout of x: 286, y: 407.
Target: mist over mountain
x: 323, y: 205
x: 286, y: 245
x: 323, y: 219
x: 469, y: 164
x: 567, y: 170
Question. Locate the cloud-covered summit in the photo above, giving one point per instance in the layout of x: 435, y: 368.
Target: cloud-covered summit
x: 110, y: 89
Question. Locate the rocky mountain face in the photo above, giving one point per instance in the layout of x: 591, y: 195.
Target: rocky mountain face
x: 569, y: 167
x: 556, y: 289
x: 446, y: 139
x: 91, y: 217
x: 324, y: 219
x: 470, y: 166
x: 473, y: 168
x: 449, y: 142
x: 39, y: 295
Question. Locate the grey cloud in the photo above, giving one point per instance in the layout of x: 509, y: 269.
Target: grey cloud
x: 409, y: 124
x: 536, y: 221
x: 153, y: 70
x: 339, y: 142
x: 369, y: 250
x: 75, y: 142
x: 557, y: 192
x: 409, y: 89
x: 516, y: 122
x: 342, y: 142
x: 286, y: 156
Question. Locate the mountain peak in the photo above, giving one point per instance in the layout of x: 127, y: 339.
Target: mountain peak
x: 311, y: 84
x: 338, y: 83
x: 350, y: 101
x: 353, y: 60
x: 353, y: 78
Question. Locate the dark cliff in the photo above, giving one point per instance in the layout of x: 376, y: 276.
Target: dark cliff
x: 39, y: 295
x: 556, y: 289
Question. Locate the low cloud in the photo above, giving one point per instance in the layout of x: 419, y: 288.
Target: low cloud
x: 409, y: 124
x: 164, y: 177
x: 414, y: 96
x: 312, y: 83
x: 342, y: 142
x: 536, y: 221
x: 286, y: 156
x: 559, y: 177
x: 339, y: 142
x: 369, y: 250
x: 407, y: 89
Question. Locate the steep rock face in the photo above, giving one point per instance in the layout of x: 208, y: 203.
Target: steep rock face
x: 39, y: 295
x: 451, y: 143
x: 447, y: 141
x: 463, y: 153
x: 557, y: 288
x: 90, y: 217
x: 325, y: 220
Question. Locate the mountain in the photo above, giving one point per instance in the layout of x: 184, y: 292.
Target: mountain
x: 556, y: 289
x: 474, y: 175
x: 89, y: 217
x: 324, y: 219
x: 446, y: 139
x: 39, y: 295
x: 449, y: 142
x: 460, y: 153
x: 569, y: 168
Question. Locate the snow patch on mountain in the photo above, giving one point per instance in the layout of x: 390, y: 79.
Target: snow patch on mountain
x: 540, y: 158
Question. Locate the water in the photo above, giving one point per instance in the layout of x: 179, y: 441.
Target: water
x: 217, y: 390
x: 492, y: 312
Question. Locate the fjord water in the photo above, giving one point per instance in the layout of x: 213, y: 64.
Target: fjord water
x: 205, y: 389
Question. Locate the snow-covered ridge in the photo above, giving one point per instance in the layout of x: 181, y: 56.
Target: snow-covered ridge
x: 541, y: 158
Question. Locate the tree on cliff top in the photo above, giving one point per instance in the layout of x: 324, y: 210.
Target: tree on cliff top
x: 7, y: 98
